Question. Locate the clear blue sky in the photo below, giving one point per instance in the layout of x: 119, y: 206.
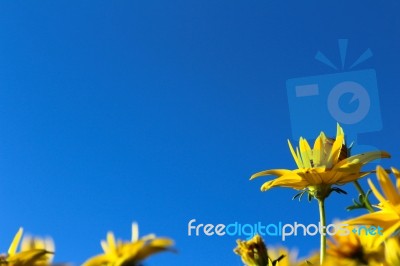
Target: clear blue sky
x: 159, y: 111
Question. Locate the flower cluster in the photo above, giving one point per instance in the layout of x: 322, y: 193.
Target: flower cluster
x: 321, y: 170
x: 40, y: 252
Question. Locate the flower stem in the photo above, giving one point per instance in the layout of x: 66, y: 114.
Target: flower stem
x: 321, y: 204
x: 366, y: 200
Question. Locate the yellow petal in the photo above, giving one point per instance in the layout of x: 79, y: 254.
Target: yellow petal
x: 305, y: 152
x: 276, y: 172
x: 105, y: 247
x: 389, y: 231
x: 162, y: 242
x: 325, y: 149
x: 153, y: 248
x: 388, y: 220
x: 148, y: 237
x: 14, y: 244
x: 289, y: 180
x: 27, y: 243
x: 397, y: 174
x: 111, y: 242
x: 296, y: 159
x: 361, y: 159
x: 335, y: 152
x: 392, y: 251
x: 135, y: 232
x: 385, y: 219
x: 299, y: 157
x: 318, y: 150
x: 387, y: 186
x: 49, y: 245
x: 339, y: 130
x: 376, y: 192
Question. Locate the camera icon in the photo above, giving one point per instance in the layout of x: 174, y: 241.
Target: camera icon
x: 350, y: 98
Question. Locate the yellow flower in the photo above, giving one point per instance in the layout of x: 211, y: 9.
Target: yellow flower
x: 253, y: 252
x: 129, y: 253
x: 35, y: 243
x: 326, y: 164
x: 388, y: 217
x: 29, y: 255
x: 354, y: 249
x: 392, y: 251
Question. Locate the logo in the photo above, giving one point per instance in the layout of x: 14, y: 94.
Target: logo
x: 278, y: 229
x: 347, y: 96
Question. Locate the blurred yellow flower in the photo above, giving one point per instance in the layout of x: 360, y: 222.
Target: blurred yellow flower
x: 388, y: 217
x: 33, y: 252
x: 253, y: 252
x: 392, y: 251
x: 130, y: 253
x: 35, y: 243
x: 326, y: 164
x: 354, y: 250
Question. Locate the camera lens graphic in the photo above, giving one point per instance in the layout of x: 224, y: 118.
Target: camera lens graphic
x: 358, y: 92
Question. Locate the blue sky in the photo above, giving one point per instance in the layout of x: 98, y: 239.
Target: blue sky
x: 159, y: 111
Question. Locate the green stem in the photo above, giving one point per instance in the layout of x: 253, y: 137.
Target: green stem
x: 366, y: 200
x: 321, y: 204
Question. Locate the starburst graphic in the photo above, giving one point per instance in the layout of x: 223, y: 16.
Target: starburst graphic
x: 343, y: 43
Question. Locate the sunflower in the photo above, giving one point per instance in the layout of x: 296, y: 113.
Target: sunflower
x: 38, y: 254
x: 354, y: 249
x: 388, y: 217
x: 321, y: 167
x: 130, y: 253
